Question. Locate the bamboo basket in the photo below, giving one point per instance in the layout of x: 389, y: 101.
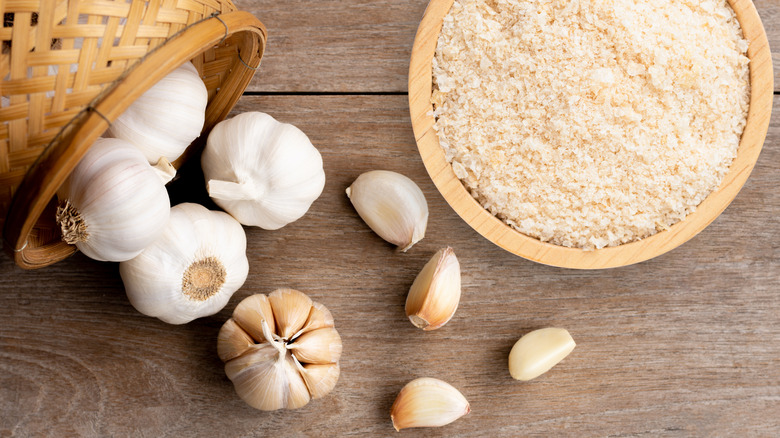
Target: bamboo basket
x: 498, y: 232
x: 52, y: 112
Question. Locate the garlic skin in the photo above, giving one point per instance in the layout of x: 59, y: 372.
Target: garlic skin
x: 167, y: 118
x: 427, y: 402
x: 538, y: 351
x: 112, y: 205
x: 263, y: 172
x: 435, y: 293
x: 392, y: 205
x: 280, y: 350
x: 190, y: 271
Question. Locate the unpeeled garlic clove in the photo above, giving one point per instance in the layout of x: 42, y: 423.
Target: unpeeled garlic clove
x: 321, y: 346
x: 249, y: 314
x: 538, y: 351
x: 319, y: 317
x: 427, y: 402
x: 392, y: 205
x: 232, y: 341
x: 291, y: 310
x: 435, y: 293
x: 320, y: 379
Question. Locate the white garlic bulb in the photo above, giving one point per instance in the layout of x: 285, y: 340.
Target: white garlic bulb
x: 263, y: 172
x: 190, y: 271
x: 392, y: 205
x: 113, y: 205
x: 167, y: 117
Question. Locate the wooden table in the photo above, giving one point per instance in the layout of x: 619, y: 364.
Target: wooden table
x: 684, y: 344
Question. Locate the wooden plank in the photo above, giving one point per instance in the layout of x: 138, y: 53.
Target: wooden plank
x: 360, y: 46
x: 684, y: 344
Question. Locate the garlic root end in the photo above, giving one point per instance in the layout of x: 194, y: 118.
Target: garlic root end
x: 72, y: 225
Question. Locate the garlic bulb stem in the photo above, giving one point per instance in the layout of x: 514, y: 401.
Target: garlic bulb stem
x: 165, y: 170
x: 230, y: 191
x: 74, y: 228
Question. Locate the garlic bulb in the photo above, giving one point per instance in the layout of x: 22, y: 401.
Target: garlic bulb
x: 392, y: 205
x: 112, y: 205
x: 192, y: 270
x: 280, y: 350
x: 263, y: 172
x: 427, y: 402
x: 435, y: 293
x: 167, y: 117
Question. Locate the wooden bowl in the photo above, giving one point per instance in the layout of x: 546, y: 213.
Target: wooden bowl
x: 498, y: 232
x: 51, y: 119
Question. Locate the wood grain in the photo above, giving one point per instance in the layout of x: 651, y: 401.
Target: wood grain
x: 687, y: 344
x: 359, y: 46
x: 498, y: 232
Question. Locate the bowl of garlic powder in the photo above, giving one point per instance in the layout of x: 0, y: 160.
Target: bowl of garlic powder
x: 588, y: 134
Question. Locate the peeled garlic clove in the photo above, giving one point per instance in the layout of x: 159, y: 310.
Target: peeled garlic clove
x: 321, y: 346
x: 113, y: 205
x: 435, y: 293
x: 320, y: 379
x: 190, y: 271
x: 291, y: 310
x: 164, y: 120
x: 536, y: 352
x: 232, y: 341
x: 392, y: 205
x: 251, y: 310
x: 427, y: 402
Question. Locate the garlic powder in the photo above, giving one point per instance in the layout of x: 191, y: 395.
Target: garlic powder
x: 590, y: 123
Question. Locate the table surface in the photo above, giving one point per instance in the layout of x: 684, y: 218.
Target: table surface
x: 685, y: 344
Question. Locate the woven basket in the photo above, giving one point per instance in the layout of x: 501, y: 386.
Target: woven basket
x: 71, y: 67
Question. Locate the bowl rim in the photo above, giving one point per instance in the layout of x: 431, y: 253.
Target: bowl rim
x: 506, y: 237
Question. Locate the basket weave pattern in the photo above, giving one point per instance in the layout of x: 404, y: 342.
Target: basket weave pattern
x: 60, y: 57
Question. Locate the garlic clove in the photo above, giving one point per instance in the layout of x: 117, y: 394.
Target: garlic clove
x: 320, y: 379
x: 537, y: 352
x: 252, y: 356
x: 392, y: 205
x: 427, y: 402
x: 291, y: 309
x: 298, y: 391
x: 435, y: 293
x: 260, y: 382
x: 250, y: 313
x: 319, y: 317
x: 232, y: 341
x: 321, y: 346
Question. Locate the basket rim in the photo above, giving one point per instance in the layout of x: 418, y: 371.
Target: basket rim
x: 61, y: 156
x: 501, y: 234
